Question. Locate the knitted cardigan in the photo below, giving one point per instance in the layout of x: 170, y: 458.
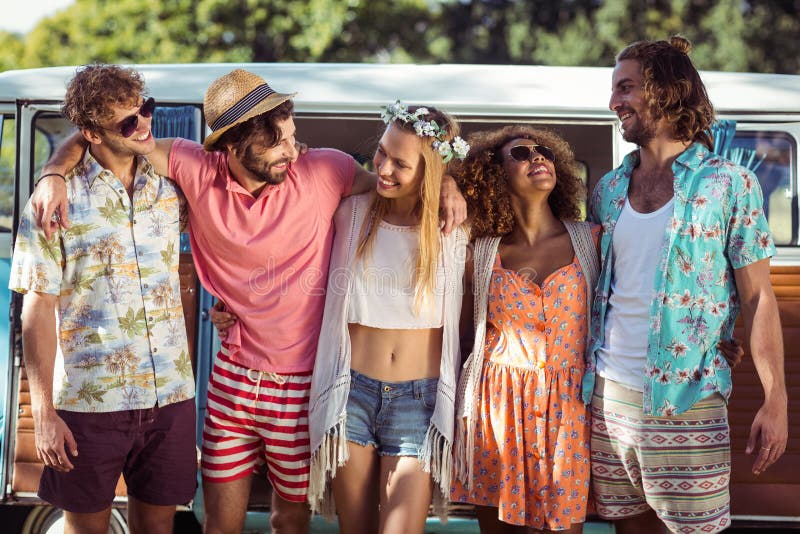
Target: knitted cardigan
x: 485, y: 250
x: 330, y: 384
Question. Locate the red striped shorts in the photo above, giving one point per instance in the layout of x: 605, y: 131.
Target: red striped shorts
x: 256, y: 417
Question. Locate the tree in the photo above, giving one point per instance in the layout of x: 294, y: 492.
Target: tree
x: 11, y: 49
x: 727, y: 34
x: 174, y: 31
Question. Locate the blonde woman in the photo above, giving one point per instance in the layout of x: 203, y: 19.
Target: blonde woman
x: 382, y: 395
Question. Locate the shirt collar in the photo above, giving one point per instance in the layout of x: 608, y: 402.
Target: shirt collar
x: 691, y: 158
x: 91, y: 169
x: 235, y: 187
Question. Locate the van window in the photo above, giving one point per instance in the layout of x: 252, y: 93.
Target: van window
x: 8, y: 149
x: 50, y: 130
x: 775, y: 173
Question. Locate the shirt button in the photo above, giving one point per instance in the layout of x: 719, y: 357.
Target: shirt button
x: 145, y: 286
x: 155, y: 350
x: 141, y: 253
x: 150, y: 319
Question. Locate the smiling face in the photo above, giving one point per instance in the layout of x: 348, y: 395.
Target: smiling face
x: 628, y: 102
x: 536, y: 175
x: 141, y: 142
x: 270, y: 164
x: 399, y: 164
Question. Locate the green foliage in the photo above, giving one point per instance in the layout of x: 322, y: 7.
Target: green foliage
x: 113, y: 212
x: 11, y: 49
x: 728, y: 34
x: 90, y: 392
x: 168, y: 254
x: 133, y: 323
x: 184, y: 365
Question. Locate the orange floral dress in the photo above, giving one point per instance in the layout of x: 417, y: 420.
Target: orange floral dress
x: 532, y: 432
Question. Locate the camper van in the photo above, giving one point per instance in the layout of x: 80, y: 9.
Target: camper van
x: 338, y: 105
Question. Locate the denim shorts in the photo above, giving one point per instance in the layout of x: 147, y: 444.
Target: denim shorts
x: 393, y: 417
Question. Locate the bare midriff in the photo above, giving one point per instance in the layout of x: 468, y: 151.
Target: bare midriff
x: 391, y: 355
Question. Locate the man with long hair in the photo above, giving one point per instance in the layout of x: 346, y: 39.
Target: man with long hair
x: 685, y: 246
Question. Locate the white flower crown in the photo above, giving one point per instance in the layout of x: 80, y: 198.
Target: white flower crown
x: 399, y: 111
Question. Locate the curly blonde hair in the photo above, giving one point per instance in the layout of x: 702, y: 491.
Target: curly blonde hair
x: 483, y: 181
x: 95, y: 89
x: 672, y: 87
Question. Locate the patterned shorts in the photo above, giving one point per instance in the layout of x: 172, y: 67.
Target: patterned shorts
x: 679, y: 466
x: 253, y: 418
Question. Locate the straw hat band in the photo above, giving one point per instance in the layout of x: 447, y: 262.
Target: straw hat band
x: 242, y: 107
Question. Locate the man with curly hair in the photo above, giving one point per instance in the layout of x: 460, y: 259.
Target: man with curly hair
x: 685, y: 245
x: 103, y: 332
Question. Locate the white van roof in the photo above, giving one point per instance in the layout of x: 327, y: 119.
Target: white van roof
x: 477, y: 90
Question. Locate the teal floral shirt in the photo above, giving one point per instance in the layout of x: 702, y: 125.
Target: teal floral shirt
x: 718, y: 225
x: 121, y: 335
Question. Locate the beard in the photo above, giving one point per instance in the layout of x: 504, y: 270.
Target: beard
x: 262, y: 170
x: 642, y: 131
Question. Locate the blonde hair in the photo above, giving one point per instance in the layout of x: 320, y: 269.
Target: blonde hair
x: 427, y: 208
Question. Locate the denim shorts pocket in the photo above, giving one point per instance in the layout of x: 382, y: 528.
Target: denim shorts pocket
x: 427, y: 394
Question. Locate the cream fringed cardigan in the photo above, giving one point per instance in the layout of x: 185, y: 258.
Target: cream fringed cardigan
x: 485, y: 251
x: 330, y: 384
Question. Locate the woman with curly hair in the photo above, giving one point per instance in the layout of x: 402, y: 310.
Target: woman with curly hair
x: 522, y: 446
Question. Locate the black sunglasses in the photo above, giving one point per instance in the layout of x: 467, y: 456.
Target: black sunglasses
x: 128, y: 125
x: 522, y: 153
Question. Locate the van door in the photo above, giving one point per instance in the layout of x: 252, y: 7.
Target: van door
x: 8, y: 151
x: 774, y: 494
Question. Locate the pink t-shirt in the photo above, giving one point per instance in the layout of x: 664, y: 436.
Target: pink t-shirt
x: 266, y: 258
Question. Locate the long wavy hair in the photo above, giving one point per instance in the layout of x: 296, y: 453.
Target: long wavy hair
x: 483, y: 182
x: 672, y: 87
x: 427, y: 209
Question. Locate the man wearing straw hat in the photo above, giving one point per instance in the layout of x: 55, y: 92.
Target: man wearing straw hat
x: 261, y: 230
x: 685, y: 245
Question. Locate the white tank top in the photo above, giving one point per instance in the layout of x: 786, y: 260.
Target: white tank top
x: 382, y: 291
x: 636, y: 245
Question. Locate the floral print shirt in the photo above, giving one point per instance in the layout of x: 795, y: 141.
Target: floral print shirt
x: 718, y: 225
x: 121, y: 335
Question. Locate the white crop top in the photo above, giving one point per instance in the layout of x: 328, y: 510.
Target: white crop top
x: 382, y: 292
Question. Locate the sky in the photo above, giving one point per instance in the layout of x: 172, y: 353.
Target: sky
x: 20, y: 16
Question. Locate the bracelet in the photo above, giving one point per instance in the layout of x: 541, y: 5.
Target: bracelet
x: 42, y: 177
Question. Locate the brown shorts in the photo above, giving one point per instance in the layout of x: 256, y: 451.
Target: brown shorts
x: 154, y: 449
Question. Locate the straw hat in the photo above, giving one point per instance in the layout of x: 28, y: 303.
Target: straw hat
x: 235, y: 98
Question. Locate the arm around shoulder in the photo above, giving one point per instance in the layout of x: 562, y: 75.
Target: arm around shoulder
x: 159, y: 158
